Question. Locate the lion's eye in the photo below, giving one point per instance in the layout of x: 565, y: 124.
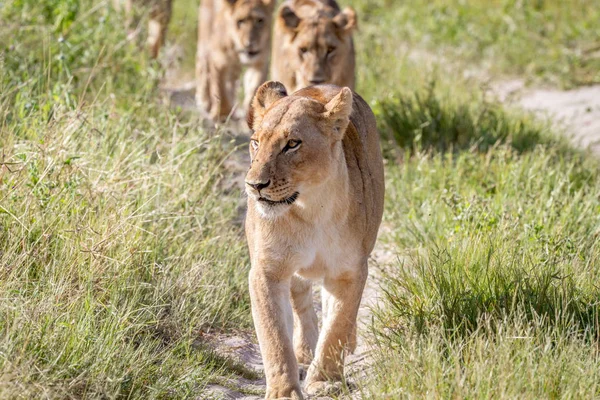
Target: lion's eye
x: 259, y: 21
x: 254, y: 144
x: 303, y: 50
x: 291, y: 145
x: 330, y: 50
x: 239, y: 23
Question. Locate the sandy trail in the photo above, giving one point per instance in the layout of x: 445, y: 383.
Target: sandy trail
x: 577, y: 111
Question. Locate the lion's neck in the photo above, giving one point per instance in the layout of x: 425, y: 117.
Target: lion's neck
x: 328, y: 202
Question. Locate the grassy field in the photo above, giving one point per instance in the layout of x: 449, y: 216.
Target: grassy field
x: 556, y: 42
x: 494, y: 294
x: 121, y: 247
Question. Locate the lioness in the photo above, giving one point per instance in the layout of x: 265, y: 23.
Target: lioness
x: 160, y: 15
x: 231, y: 34
x: 315, y: 200
x: 313, y: 44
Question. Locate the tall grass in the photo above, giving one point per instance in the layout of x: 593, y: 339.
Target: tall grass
x: 494, y: 293
x: 431, y: 119
x: 512, y: 362
x: 118, y: 246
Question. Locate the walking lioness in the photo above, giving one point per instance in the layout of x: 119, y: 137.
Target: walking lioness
x: 312, y: 44
x: 315, y: 199
x: 159, y: 17
x: 231, y: 34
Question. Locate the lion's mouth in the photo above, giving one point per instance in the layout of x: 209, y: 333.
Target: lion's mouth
x: 250, y: 53
x: 287, y: 201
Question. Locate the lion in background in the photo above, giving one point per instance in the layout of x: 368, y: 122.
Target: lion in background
x: 231, y: 34
x: 313, y: 44
x: 159, y: 18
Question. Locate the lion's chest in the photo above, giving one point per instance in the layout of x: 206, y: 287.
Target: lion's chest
x: 325, y: 252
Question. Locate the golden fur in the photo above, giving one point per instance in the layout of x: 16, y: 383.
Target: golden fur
x: 159, y: 17
x: 313, y: 44
x: 315, y: 200
x: 231, y: 34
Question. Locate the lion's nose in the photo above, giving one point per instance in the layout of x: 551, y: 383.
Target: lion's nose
x: 258, y: 185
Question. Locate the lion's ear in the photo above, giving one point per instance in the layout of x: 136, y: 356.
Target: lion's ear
x: 338, y: 110
x: 289, y: 17
x: 267, y: 94
x: 346, y: 20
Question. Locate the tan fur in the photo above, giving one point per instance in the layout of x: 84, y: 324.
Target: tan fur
x: 312, y: 44
x: 160, y: 15
x: 231, y: 34
x: 327, y: 233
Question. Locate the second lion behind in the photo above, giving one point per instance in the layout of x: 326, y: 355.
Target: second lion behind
x: 312, y: 44
x: 231, y: 34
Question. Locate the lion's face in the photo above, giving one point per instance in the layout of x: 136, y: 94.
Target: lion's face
x: 295, y: 147
x: 250, y: 23
x: 320, y: 39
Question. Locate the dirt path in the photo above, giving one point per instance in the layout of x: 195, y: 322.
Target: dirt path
x: 577, y: 111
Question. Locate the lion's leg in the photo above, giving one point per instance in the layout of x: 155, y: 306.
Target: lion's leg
x: 218, y: 92
x: 160, y: 15
x: 272, y: 314
x: 306, y: 330
x: 337, y: 333
x: 352, y: 340
x: 222, y: 90
x: 254, y: 76
x: 326, y: 303
x: 203, y: 102
x: 228, y: 88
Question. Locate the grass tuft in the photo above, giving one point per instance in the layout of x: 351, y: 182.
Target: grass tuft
x: 429, y: 120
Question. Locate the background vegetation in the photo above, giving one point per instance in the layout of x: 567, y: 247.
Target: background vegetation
x: 121, y: 248
x: 556, y: 42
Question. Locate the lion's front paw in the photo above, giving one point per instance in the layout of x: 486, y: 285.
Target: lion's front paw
x: 291, y: 394
x: 324, y: 388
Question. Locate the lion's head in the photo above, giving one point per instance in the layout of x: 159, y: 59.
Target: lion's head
x: 320, y: 40
x: 296, y: 146
x: 250, y: 27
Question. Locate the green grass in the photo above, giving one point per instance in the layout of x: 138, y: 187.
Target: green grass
x: 493, y: 218
x: 434, y: 120
x: 556, y: 42
x: 120, y: 240
x: 183, y: 31
x: 512, y: 363
x: 494, y: 294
